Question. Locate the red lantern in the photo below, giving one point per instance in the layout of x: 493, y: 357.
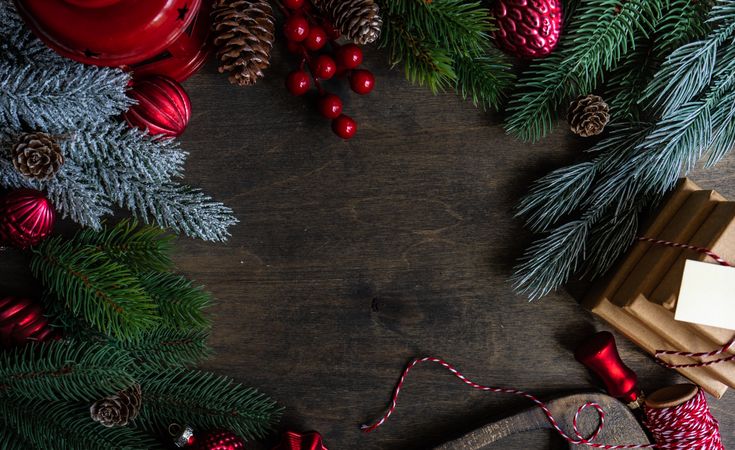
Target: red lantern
x: 26, y: 217
x: 163, y: 106
x: 21, y: 321
x: 162, y: 37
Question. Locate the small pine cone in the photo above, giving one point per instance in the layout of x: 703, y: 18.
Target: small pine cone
x: 588, y: 115
x: 358, y: 20
x: 244, y: 31
x: 37, y: 156
x: 119, y: 409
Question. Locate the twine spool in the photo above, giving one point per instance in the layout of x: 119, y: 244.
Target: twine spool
x: 678, y: 416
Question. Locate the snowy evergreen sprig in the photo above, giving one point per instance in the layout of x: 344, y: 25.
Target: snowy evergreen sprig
x: 107, y: 163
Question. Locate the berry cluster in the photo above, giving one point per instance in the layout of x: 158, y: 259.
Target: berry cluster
x: 307, y: 36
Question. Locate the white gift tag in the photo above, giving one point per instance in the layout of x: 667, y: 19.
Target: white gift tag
x: 707, y: 295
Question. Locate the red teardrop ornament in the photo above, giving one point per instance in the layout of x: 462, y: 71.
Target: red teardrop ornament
x: 26, y: 217
x: 163, y: 106
x: 22, y: 321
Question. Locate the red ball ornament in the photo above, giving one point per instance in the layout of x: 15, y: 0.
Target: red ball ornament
x: 296, y: 28
x: 528, y: 28
x: 362, y: 81
x: 600, y: 355
x: 150, y: 37
x: 297, y: 82
x: 330, y: 106
x: 26, y: 217
x: 220, y: 440
x: 293, y: 4
x: 324, y: 67
x: 349, y: 56
x: 316, y: 39
x: 344, y: 127
x: 163, y: 106
x: 22, y: 321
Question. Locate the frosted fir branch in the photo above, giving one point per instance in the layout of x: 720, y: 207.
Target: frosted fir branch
x: 18, y: 43
x: 61, y: 96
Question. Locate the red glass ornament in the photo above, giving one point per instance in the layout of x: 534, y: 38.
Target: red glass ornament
x: 362, y: 81
x: 324, y: 67
x: 220, y: 440
x: 296, y: 28
x: 344, y: 127
x: 330, y: 106
x: 22, y: 321
x: 293, y: 4
x: 297, y: 82
x: 316, y: 39
x: 162, y: 37
x: 26, y: 217
x: 292, y: 440
x: 529, y: 28
x: 349, y: 56
x: 163, y: 106
x: 600, y: 355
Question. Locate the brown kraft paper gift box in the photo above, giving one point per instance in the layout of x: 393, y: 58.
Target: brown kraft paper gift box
x: 599, y: 300
x: 658, y: 259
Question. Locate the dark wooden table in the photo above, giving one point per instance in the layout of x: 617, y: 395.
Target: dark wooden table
x: 353, y: 257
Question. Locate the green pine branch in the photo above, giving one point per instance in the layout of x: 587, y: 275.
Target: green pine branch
x: 166, y: 347
x: 206, y: 401
x: 446, y: 44
x: 140, y: 248
x: 64, y: 371
x: 106, y: 294
x: 64, y: 426
x: 180, y: 304
x: 598, y: 37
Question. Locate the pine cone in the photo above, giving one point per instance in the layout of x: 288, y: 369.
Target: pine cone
x: 119, y: 409
x: 37, y: 156
x: 588, y: 115
x: 244, y: 31
x: 358, y: 20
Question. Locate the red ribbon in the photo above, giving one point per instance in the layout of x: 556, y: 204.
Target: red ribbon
x: 292, y: 440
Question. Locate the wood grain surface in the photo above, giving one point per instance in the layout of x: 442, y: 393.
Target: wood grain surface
x: 351, y: 258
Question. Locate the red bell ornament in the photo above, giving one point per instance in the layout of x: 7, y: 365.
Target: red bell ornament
x: 163, y: 106
x: 26, y: 217
x: 600, y: 355
x: 22, y: 321
x: 149, y: 37
x: 527, y: 28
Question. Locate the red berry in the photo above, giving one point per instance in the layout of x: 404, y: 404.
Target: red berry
x: 344, y: 126
x: 362, y: 81
x: 297, y: 82
x: 293, y: 4
x: 349, y: 56
x: 330, y: 106
x: 324, y: 67
x: 316, y: 39
x: 296, y: 28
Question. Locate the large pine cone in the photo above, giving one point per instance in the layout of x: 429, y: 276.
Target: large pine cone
x: 244, y: 31
x: 358, y: 20
x: 588, y: 115
x: 119, y: 409
x: 37, y: 156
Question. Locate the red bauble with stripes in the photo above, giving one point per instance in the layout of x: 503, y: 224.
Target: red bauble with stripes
x: 27, y: 217
x: 22, y: 321
x: 527, y: 28
x: 163, y: 106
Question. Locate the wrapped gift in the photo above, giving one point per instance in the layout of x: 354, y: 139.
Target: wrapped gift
x: 624, y: 299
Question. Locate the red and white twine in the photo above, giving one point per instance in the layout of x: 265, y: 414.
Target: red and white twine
x: 688, y: 426
x: 695, y: 355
